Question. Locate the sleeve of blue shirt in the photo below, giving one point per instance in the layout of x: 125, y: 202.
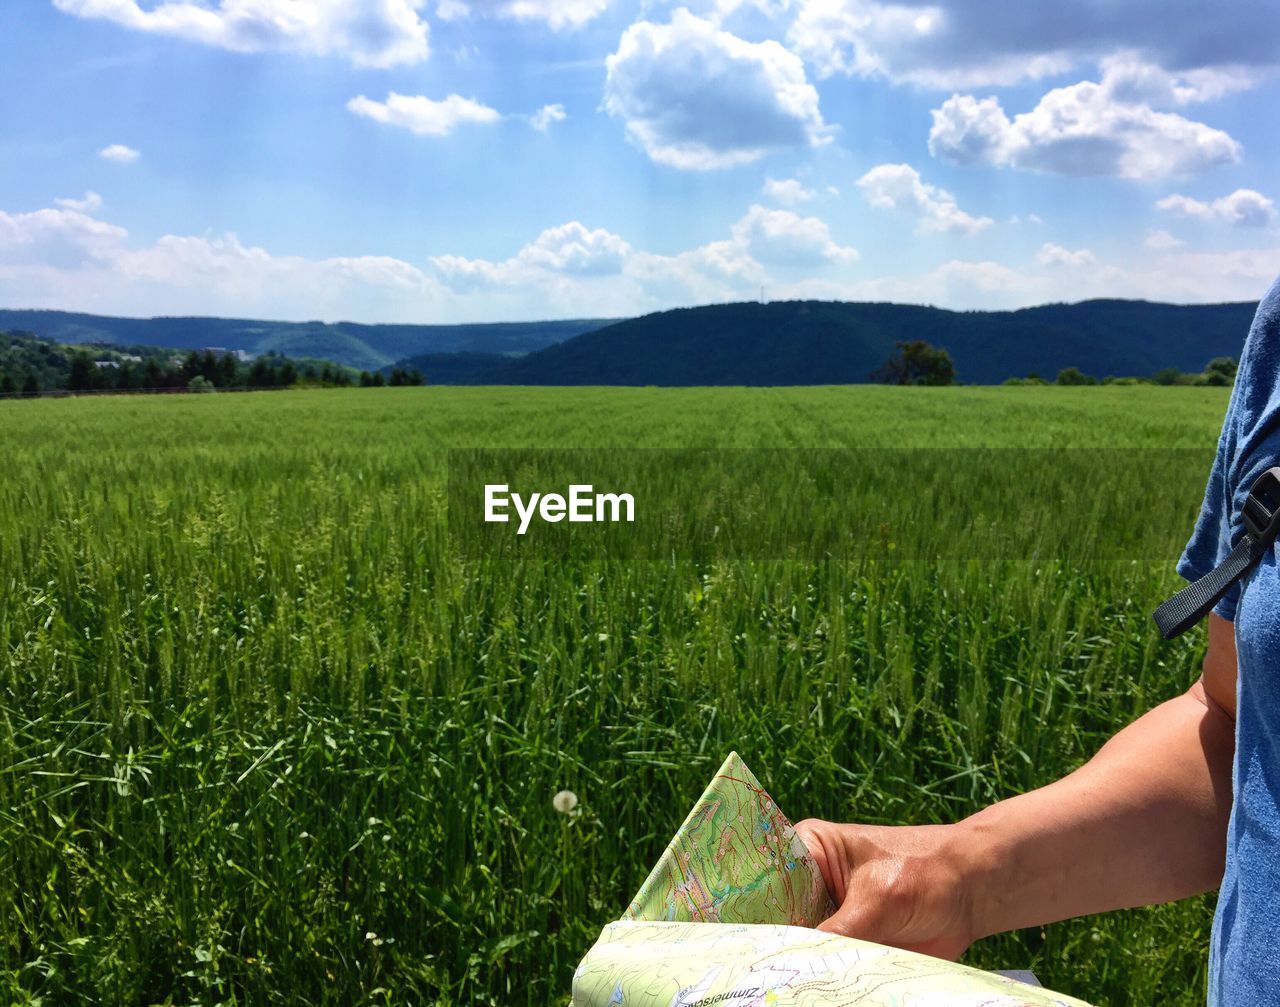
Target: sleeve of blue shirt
x: 1249, y: 424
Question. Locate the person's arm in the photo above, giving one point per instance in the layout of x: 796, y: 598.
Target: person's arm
x: 1144, y: 821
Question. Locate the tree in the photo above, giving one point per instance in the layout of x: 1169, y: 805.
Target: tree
x: 200, y: 384
x: 917, y: 363
x: 260, y: 375
x: 80, y: 378
x: 31, y: 386
x: 209, y: 367
x: 7, y: 385
x: 287, y: 375
x: 1167, y: 376
x: 1220, y: 371
x: 152, y: 376
x: 124, y: 376
x: 1075, y: 376
x: 226, y: 371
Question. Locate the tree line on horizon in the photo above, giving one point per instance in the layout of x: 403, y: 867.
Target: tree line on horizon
x: 31, y: 365
x: 917, y: 362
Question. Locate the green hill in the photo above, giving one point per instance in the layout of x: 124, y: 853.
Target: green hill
x: 784, y: 343
x: 367, y: 347
x: 820, y: 342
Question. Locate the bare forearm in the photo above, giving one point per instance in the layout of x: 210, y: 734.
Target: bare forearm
x: 1143, y: 822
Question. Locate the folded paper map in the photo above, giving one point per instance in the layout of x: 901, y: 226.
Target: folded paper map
x: 736, y: 859
x: 725, y: 920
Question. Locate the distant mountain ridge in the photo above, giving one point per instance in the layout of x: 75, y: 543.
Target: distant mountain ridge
x: 747, y: 343
x: 831, y: 342
x: 368, y: 347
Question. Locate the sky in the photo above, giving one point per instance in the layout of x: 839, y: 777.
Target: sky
x: 491, y: 160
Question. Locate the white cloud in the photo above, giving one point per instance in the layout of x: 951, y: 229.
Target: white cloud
x: 977, y: 43
x: 63, y: 258
x: 1162, y: 241
x: 557, y: 14
x: 1242, y: 208
x: 543, y: 119
x: 376, y: 33
x: 907, y: 43
x: 1181, y: 277
x: 788, y: 191
x: 91, y: 202
x: 584, y: 270
x: 1055, y: 255
x: 570, y: 249
x: 1242, y: 274
x: 783, y: 238
x: 969, y: 130
x: 696, y: 97
x: 463, y: 274
x: 1132, y: 79
x: 899, y: 186
x: 119, y: 153
x: 721, y: 10
x: 958, y: 284
x: 1084, y: 129
x: 64, y: 238
x: 421, y: 115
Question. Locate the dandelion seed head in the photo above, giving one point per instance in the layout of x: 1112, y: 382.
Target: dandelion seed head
x: 565, y: 801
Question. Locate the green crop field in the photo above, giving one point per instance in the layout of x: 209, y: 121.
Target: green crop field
x: 267, y: 736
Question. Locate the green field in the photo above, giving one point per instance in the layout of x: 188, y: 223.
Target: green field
x: 255, y: 707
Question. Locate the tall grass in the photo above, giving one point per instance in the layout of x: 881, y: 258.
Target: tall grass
x: 267, y: 737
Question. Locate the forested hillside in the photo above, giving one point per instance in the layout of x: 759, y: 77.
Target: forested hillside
x: 33, y: 365
x: 366, y: 347
x: 819, y: 342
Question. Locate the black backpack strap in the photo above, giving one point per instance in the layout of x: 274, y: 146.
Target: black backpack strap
x: 1262, y: 525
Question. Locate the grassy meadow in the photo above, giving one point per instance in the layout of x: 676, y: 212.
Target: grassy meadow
x: 267, y: 737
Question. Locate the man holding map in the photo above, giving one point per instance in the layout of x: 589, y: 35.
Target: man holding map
x: 1185, y: 799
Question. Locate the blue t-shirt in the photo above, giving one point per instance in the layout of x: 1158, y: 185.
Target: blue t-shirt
x: 1244, y: 957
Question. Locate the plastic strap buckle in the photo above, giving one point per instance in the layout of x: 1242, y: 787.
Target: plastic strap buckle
x: 1261, y: 517
x: 1262, y: 509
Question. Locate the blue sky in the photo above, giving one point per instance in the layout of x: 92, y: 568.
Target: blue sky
x: 393, y: 160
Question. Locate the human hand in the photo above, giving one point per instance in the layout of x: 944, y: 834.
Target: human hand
x: 905, y: 886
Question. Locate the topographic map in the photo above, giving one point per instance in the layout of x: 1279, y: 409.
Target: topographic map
x: 725, y: 920
x: 736, y: 859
